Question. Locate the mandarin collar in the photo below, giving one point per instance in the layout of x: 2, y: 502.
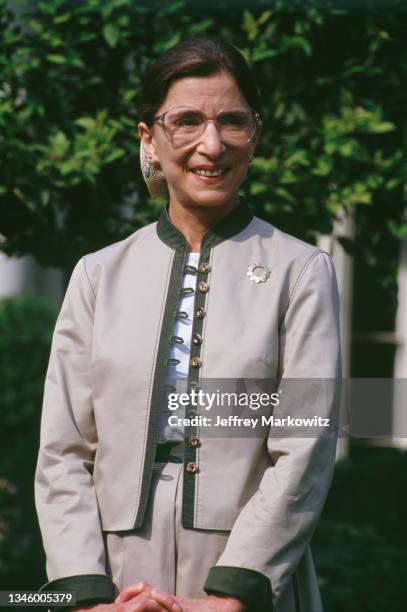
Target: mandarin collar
x: 227, y: 227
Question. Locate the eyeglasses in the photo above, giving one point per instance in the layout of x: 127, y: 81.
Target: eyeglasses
x: 183, y: 126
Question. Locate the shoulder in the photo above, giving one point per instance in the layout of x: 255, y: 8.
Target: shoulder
x: 109, y: 258
x: 291, y: 258
x: 116, y: 250
x: 286, y: 251
x: 281, y: 242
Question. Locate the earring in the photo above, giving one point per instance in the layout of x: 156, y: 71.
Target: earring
x: 153, y: 177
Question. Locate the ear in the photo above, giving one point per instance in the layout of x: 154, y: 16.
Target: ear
x: 148, y: 140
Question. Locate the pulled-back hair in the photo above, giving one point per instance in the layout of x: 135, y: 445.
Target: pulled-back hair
x: 195, y: 58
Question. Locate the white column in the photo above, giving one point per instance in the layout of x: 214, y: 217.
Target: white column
x: 400, y: 360
x: 344, y: 226
x: 24, y: 274
x: 16, y: 274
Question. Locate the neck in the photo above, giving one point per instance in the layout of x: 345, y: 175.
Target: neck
x: 194, y: 222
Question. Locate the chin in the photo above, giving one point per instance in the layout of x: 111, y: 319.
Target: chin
x: 210, y: 197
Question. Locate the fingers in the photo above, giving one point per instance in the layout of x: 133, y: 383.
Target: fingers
x: 150, y: 605
x: 142, y: 596
x: 132, y: 590
x: 168, y: 602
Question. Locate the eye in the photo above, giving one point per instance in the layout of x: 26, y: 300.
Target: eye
x: 188, y: 120
x: 234, y: 119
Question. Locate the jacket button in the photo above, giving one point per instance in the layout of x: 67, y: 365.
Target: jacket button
x: 194, y: 442
x: 193, y: 386
x: 203, y: 287
x: 192, y: 467
x: 204, y: 268
x: 197, y: 339
x: 196, y: 362
x: 200, y: 313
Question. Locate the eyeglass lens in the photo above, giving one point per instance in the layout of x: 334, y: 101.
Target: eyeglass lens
x: 185, y: 125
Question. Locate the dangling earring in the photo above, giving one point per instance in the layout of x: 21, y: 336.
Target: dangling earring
x: 153, y: 177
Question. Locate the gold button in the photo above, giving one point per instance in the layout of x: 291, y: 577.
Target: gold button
x: 197, y: 339
x: 200, y: 313
x: 192, y: 467
x: 194, y: 442
x: 193, y: 386
x: 204, y: 268
x: 203, y: 287
x: 196, y: 362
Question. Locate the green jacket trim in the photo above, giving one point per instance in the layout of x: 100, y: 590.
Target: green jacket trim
x: 188, y: 501
x: 228, y: 226
x: 249, y: 586
x: 89, y: 588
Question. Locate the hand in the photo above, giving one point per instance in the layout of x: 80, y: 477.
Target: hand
x: 142, y: 597
x: 212, y: 603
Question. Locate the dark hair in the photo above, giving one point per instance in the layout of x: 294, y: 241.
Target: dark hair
x: 194, y: 58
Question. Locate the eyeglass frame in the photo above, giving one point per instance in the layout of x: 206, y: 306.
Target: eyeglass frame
x: 160, y: 117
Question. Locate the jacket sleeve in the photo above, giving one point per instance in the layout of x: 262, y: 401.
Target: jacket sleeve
x: 274, y: 528
x: 64, y: 491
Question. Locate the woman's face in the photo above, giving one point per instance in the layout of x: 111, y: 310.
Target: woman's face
x: 181, y: 165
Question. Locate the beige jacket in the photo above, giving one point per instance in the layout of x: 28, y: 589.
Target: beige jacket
x: 104, y: 387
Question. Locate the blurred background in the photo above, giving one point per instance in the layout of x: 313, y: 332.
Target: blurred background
x: 330, y: 169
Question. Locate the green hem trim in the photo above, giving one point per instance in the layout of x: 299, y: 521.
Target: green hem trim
x: 250, y: 586
x: 89, y: 589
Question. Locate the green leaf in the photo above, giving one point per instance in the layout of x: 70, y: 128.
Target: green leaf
x: 45, y: 197
x: 259, y: 55
x: 169, y: 8
x: 62, y: 18
x: 59, y: 144
x: 56, y: 58
x: 115, y: 154
x: 111, y: 35
x: 323, y: 167
x: 256, y: 188
x: 86, y: 122
x: 265, y: 16
x: 283, y: 193
x: 299, y: 157
x: 382, y: 127
x: 249, y: 24
x: 393, y: 183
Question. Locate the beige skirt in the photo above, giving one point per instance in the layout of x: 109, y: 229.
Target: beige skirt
x: 178, y: 560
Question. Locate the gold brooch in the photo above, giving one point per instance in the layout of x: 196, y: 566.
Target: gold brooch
x: 258, y: 273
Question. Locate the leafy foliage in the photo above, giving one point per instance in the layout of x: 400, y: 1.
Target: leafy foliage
x: 10, y: 556
x: 333, y: 84
x: 25, y: 330
x: 360, y: 544
x: 26, y: 324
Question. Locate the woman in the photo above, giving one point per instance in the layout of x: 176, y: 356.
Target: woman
x: 124, y: 494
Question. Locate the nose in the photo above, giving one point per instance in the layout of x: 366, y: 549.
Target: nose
x: 210, y: 142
